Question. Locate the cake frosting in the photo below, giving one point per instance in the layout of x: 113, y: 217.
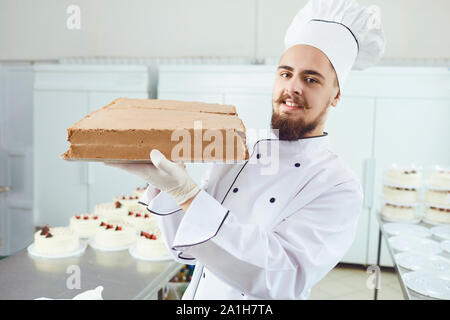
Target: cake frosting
x: 439, y: 197
x: 404, y: 177
x: 112, y: 212
x: 127, y: 201
x: 139, y: 192
x: 400, y: 195
x: 142, y: 221
x: 55, y: 241
x: 114, y: 236
x: 151, y: 246
x: 438, y: 215
x: 84, y: 225
x: 399, y: 212
x: 439, y: 179
x: 127, y: 129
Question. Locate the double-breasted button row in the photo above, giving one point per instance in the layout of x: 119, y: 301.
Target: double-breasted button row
x: 258, y: 156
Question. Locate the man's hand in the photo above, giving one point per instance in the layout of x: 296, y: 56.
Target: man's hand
x: 163, y: 174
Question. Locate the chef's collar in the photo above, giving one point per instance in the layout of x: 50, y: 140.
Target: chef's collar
x: 302, y: 145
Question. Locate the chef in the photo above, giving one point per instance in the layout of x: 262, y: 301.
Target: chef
x: 274, y: 236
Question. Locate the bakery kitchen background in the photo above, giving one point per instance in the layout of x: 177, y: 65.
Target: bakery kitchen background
x: 58, y: 64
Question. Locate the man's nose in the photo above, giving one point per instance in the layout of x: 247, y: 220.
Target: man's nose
x: 294, y: 87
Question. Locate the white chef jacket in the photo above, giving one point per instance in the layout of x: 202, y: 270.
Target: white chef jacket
x: 264, y: 236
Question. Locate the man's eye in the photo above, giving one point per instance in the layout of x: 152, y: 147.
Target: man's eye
x: 284, y: 74
x: 311, y: 80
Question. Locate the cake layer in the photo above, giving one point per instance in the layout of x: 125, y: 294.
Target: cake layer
x: 130, y: 128
x: 127, y: 103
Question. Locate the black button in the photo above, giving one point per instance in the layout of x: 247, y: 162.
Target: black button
x: 203, y: 274
x: 235, y: 190
x: 297, y: 164
x: 242, y: 294
x: 272, y: 200
x: 258, y: 156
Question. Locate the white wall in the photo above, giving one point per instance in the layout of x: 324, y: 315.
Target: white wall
x: 36, y: 29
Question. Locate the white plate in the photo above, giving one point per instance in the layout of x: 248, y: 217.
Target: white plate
x: 418, y: 245
x: 441, y: 232
x: 414, y: 261
x: 32, y: 251
x: 434, y: 223
x: 445, y: 245
x: 414, y: 221
x: 94, y: 245
x: 429, y: 285
x: 395, y: 229
x: 135, y: 255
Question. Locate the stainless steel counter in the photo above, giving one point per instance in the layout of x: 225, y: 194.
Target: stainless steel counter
x: 23, y: 276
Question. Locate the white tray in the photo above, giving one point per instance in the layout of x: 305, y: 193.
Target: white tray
x: 445, y: 245
x: 414, y: 261
x: 434, y: 223
x: 149, y: 161
x: 396, y: 229
x: 32, y: 251
x: 422, y: 246
x: 94, y: 245
x: 135, y: 255
x: 430, y: 285
x: 414, y: 221
x: 441, y: 232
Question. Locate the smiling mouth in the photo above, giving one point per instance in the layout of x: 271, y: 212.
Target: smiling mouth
x: 291, y: 105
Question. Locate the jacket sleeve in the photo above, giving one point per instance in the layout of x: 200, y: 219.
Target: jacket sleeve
x: 281, y: 263
x: 169, y: 215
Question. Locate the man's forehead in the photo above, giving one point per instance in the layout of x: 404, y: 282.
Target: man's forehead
x: 305, y: 57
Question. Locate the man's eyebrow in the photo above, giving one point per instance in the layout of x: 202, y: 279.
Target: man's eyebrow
x: 309, y: 72
x: 286, y: 67
x: 314, y: 73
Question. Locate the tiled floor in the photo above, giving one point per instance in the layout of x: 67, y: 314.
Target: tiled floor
x: 348, y: 282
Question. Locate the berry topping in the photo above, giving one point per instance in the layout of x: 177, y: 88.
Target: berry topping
x: 86, y: 218
x: 48, y: 235
x: 118, y: 204
x: 102, y: 224
x: 78, y: 217
x: 146, y: 216
x: 153, y: 237
x: 95, y: 217
x: 45, y: 230
x: 118, y: 228
x: 123, y: 197
x: 109, y: 226
x: 138, y: 215
x: 130, y: 213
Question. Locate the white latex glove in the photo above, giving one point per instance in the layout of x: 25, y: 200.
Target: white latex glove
x: 163, y: 174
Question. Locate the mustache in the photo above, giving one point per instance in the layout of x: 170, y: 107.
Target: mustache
x: 295, y: 99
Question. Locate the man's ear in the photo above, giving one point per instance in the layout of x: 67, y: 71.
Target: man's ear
x: 336, y: 99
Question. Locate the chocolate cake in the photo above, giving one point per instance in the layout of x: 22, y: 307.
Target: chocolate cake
x: 127, y: 130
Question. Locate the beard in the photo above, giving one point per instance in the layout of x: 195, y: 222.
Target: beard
x: 294, y: 129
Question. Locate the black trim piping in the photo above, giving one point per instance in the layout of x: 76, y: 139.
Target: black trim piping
x: 190, y: 245
x: 357, y: 43
x: 180, y: 257
x: 163, y: 214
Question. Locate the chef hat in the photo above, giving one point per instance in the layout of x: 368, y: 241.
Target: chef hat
x: 348, y: 34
